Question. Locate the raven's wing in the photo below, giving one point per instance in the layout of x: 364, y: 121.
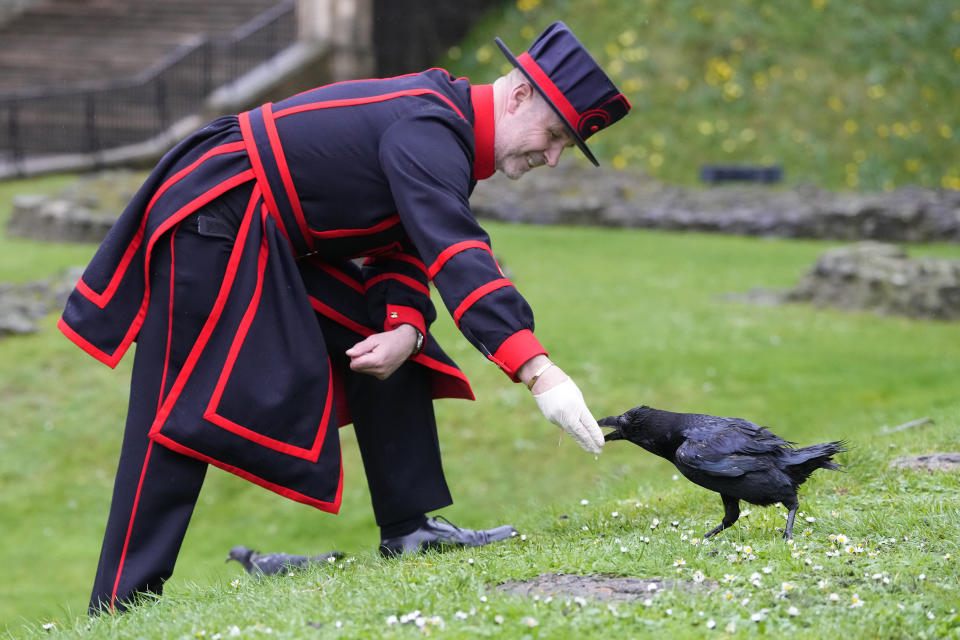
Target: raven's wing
x: 728, y: 447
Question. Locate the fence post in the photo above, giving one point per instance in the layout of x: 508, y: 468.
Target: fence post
x: 16, y: 150
x: 90, y: 122
x: 163, y: 113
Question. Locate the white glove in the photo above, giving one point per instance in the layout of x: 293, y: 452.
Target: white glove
x: 563, y: 405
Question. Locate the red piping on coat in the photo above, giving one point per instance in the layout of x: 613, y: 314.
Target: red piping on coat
x: 453, y: 250
x: 352, y: 102
x: 212, y: 319
x: 399, y: 277
x: 312, y: 454
x: 102, y: 299
x: 296, y: 496
x: 278, y: 155
x: 476, y: 294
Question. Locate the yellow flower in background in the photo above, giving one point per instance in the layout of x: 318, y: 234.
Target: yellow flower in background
x: 818, y: 5
x: 729, y: 145
x: 912, y: 165
x: 835, y: 103
x: 656, y: 160
x: 883, y: 131
x: 800, y: 74
x: 950, y: 182
x: 612, y: 49
x: 760, y: 80
x: 900, y: 130
x: 619, y: 161
x: 860, y: 156
x: 916, y: 126
x: 732, y: 90
x: 850, y: 126
x: 527, y: 5
x: 956, y: 54
x: 748, y: 135
x: 527, y: 33
x: 876, y: 91
x: 852, y: 180
x: 454, y: 53
x: 633, y: 84
x: 945, y: 131
x: 928, y: 93
x: 658, y: 140
x: 705, y: 127
x: 484, y: 53
x: 627, y: 38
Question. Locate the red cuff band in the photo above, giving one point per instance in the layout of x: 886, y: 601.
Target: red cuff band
x: 398, y: 315
x: 516, y: 350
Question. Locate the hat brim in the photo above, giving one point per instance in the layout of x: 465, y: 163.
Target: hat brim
x: 581, y: 143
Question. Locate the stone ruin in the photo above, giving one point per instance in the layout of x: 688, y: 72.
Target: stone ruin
x: 866, y: 276
x: 872, y: 276
x: 81, y: 212
x: 568, y: 194
x: 23, y: 306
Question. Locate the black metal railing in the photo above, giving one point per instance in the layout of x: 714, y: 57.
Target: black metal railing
x: 94, y: 116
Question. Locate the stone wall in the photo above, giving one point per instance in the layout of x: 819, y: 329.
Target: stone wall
x: 570, y: 194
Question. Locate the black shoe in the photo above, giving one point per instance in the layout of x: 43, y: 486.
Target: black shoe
x: 434, y: 534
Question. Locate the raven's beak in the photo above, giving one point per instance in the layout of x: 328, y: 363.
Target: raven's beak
x: 614, y: 423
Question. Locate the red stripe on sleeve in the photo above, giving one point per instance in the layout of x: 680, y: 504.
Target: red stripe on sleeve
x: 476, y: 294
x: 453, y: 250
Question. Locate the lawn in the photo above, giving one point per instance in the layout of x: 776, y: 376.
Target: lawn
x: 635, y: 317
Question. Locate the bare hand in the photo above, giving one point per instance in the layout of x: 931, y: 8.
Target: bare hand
x: 382, y: 353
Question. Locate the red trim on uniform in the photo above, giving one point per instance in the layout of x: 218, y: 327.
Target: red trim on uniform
x: 462, y: 390
x: 285, y: 176
x: 481, y: 96
x: 133, y: 513
x: 312, y: 454
x: 516, y: 350
x: 113, y: 358
x: 330, y: 507
x: 346, y: 233
x: 106, y: 358
x: 331, y: 313
x: 416, y: 285
x: 212, y: 319
x: 553, y: 92
x: 398, y: 314
x: 453, y: 250
x: 166, y: 357
x: 476, y: 294
x: 401, y: 257
x: 352, y: 102
x: 254, y: 154
x: 333, y: 272
x: 102, y: 299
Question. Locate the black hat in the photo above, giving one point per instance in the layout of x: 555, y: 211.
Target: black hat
x: 572, y: 82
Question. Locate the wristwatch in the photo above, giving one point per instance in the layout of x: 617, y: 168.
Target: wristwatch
x: 420, y: 341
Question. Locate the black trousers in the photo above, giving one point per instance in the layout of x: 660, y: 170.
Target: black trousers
x: 156, y: 489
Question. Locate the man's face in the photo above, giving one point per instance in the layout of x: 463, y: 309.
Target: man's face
x: 530, y: 135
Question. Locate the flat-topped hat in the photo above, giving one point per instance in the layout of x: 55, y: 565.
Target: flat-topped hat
x: 572, y: 82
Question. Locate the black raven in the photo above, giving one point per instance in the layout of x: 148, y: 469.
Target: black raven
x: 731, y: 456
x: 275, y: 563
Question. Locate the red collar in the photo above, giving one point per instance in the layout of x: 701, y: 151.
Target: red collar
x: 483, y: 127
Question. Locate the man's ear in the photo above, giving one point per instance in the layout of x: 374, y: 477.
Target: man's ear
x: 520, y: 93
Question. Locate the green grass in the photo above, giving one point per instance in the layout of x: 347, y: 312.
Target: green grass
x: 635, y: 317
x: 845, y: 95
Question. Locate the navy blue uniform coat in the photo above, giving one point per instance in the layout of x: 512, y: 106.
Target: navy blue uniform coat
x: 376, y: 169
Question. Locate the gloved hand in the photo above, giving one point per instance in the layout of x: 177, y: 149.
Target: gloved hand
x: 563, y: 405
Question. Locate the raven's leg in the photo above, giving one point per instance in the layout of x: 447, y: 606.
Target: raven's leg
x: 792, y: 506
x: 731, y: 511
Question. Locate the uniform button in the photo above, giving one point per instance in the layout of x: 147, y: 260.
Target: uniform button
x: 394, y: 315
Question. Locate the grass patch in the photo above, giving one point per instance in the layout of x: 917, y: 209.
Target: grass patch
x: 842, y: 95
x: 635, y: 317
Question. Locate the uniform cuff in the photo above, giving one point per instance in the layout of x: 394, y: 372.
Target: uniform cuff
x: 399, y: 314
x: 516, y: 350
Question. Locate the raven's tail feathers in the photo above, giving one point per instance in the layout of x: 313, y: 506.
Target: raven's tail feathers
x: 805, y: 461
